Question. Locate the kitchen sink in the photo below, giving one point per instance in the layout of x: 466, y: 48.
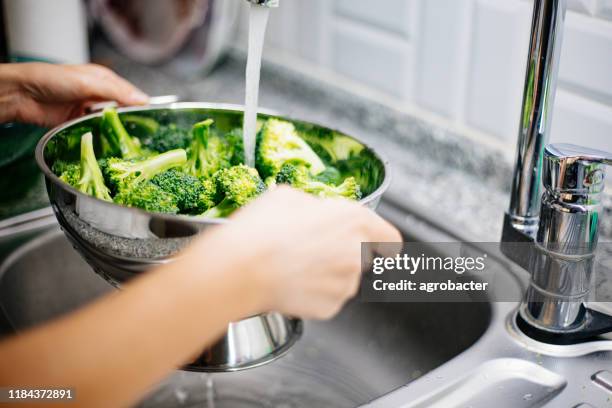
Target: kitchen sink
x: 379, y: 355
x: 367, y: 351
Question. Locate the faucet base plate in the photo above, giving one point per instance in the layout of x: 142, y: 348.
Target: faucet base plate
x: 596, y: 324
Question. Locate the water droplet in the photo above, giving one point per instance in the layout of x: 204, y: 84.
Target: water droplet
x: 210, y: 391
x: 181, y: 395
x: 528, y: 397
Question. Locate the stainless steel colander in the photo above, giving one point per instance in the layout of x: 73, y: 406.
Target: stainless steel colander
x: 121, y: 242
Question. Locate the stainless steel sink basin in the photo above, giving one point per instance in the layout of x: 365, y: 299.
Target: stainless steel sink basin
x: 385, y: 355
x: 367, y: 351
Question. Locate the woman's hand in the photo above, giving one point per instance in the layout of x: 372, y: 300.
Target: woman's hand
x: 48, y: 94
x: 300, y: 255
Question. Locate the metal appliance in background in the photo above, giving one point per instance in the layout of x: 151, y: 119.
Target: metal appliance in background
x: 51, y: 31
x: 121, y: 243
x: 186, y: 37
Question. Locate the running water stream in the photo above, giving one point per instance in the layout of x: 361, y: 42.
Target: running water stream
x: 257, y: 32
x: 210, y: 390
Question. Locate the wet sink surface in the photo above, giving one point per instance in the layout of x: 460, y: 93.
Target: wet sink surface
x: 367, y: 351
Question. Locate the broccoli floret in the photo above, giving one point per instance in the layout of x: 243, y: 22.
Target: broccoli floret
x: 207, y: 154
x: 65, y: 146
x: 367, y: 170
x: 211, y: 152
x: 60, y: 166
x: 147, y: 196
x: 121, y: 172
x: 118, y: 138
x: 91, y: 180
x: 278, y: 143
x: 212, y: 196
x: 331, y: 176
x: 167, y: 138
x: 270, y: 182
x: 68, y: 172
x: 332, y: 146
x: 235, y: 143
x: 103, y: 163
x: 140, y: 126
x: 193, y: 195
x: 299, y: 177
x: 237, y: 186
x: 106, y: 149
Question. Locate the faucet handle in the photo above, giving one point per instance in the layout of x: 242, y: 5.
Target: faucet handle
x: 574, y: 170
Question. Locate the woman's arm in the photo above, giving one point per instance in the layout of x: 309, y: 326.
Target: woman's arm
x: 287, y: 252
x: 114, y: 350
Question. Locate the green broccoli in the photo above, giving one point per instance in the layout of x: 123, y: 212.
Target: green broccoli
x: 331, y: 176
x: 237, y: 186
x: 206, y: 154
x: 212, y: 196
x: 140, y: 126
x: 167, y: 138
x: 122, y: 173
x: 278, y: 143
x: 193, y: 195
x: 235, y: 143
x: 106, y: 149
x: 65, y: 147
x: 332, y: 146
x: 67, y: 172
x: 117, y: 138
x: 270, y: 182
x: 299, y: 177
x: 147, y: 196
x: 91, y: 180
x: 366, y: 168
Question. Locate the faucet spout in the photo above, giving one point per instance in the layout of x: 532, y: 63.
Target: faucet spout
x: 538, y: 100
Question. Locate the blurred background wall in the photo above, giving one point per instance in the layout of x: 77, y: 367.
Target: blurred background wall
x: 459, y: 62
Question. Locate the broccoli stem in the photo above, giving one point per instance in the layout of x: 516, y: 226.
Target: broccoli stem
x: 145, y: 124
x: 201, y: 131
x: 118, y: 137
x: 149, y: 168
x: 224, y: 209
x: 91, y: 181
x: 198, y: 155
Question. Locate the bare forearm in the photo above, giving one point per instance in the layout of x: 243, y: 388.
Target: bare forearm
x: 113, y: 351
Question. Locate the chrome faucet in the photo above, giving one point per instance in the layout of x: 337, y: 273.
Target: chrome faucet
x: 560, y: 225
x: 536, y: 116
